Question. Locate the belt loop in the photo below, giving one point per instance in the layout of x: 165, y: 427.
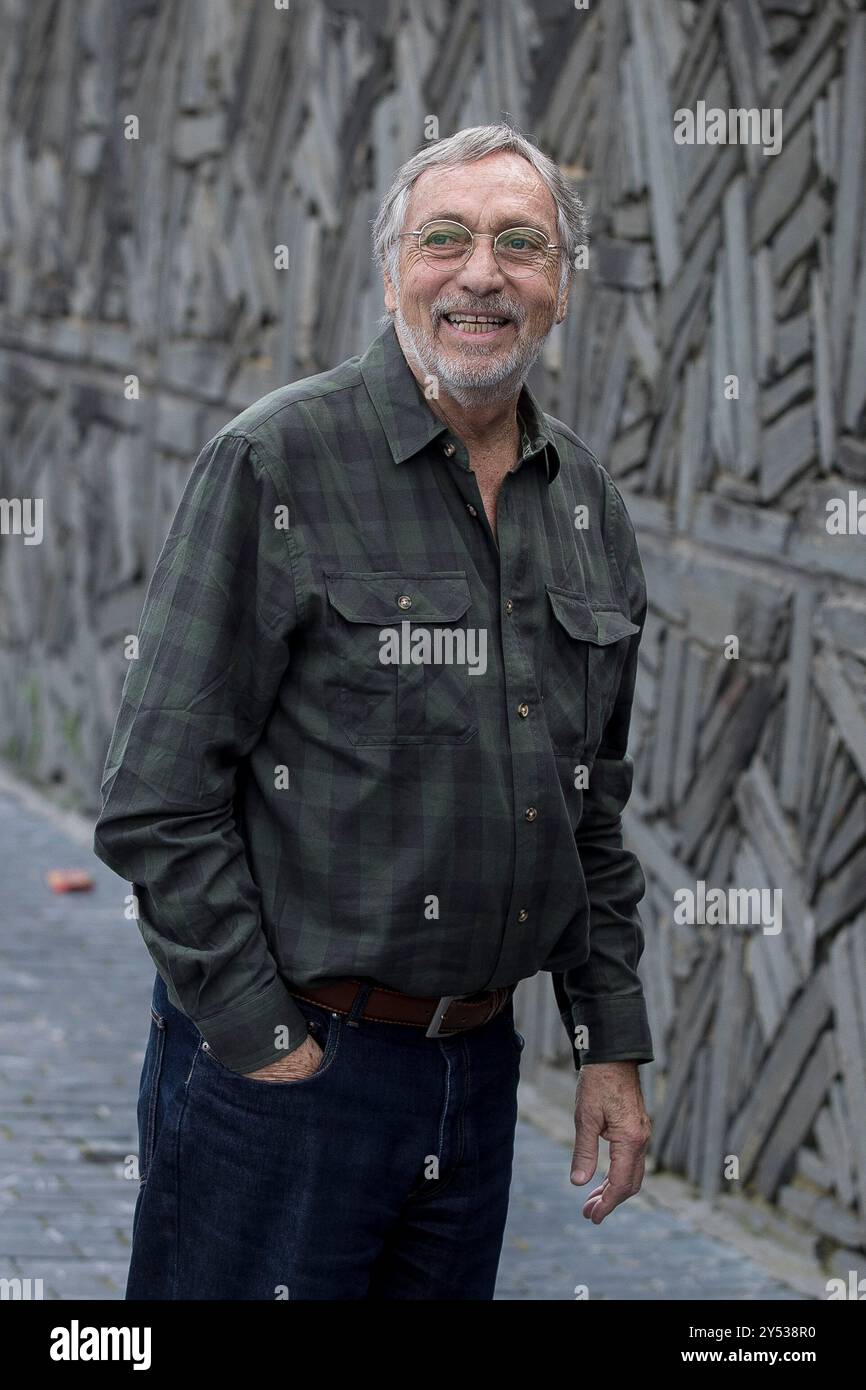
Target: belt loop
x: 359, y: 1002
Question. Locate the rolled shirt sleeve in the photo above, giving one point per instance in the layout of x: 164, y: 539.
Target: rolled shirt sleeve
x: 213, y: 644
x: 605, y: 995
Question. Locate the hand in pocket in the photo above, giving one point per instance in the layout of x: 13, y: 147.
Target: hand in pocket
x: 301, y: 1062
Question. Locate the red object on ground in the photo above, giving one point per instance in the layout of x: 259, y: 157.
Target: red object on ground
x: 69, y: 880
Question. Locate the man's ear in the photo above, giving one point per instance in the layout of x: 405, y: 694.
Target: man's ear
x: 563, y: 299
x: 390, y: 293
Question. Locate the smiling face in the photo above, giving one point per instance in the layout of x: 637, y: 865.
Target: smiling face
x: 478, y: 360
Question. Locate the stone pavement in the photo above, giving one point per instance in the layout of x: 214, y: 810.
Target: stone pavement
x: 638, y: 1252
x: 75, y: 985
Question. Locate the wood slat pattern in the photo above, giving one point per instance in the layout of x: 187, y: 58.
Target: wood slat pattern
x: 154, y: 257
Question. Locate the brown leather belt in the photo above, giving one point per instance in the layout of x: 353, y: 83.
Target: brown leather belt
x: 440, y: 1017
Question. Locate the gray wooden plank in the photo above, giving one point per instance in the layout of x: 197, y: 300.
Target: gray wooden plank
x: 851, y: 458
x: 798, y: 1115
x: 793, y: 341
x: 830, y: 807
x: 784, y: 181
x: 844, y: 1147
x: 842, y: 894
x: 851, y: 1058
x: 772, y: 959
x: 723, y: 419
x: 779, y: 850
x: 715, y: 779
x: 854, y: 394
x: 654, y: 103
x: 815, y: 1169
x: 843, y: 703
x: 794, y: 1045
x: 825, y: 402
x: 849, y: 193
x: 796, y: 701
x: 695, y: 660
x: 788, y: 447
x: 666, y: 721
x: 743, y: 529
x: 805, y: 56
x: 765, y: 315
x: 696, y: 1111
x: 643, y: 838
x: 727, y: 1031
x: 689, y: 84
x: 693, y: 456
x: 850, y: 830
x: 799, y: 234
x: 703, y: 205
x: 698, y: 1004
x: 793, y: 389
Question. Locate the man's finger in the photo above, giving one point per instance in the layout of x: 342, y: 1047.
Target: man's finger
x: 584, y: 1158
x: 614, y: 1190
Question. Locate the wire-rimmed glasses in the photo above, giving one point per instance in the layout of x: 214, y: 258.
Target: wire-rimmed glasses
x: 519, y: 251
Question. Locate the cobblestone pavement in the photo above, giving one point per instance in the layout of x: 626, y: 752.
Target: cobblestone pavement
x: 75, y: 985
x: 638, y: 1252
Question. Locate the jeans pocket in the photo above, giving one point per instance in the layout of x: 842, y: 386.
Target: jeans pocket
x: 148, y: 1093
x: 327, y: 1035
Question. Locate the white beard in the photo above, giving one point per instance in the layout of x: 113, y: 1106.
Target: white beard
x: 472, y: 382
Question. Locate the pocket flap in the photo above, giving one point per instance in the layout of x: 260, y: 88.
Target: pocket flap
x: 375, y: 597
x: 598, y: 625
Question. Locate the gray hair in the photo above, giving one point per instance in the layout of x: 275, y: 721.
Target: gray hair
x: 463, y: 148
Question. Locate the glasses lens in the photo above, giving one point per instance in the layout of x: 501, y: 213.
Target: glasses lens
x: 521, y: 251
x: 444, y: 241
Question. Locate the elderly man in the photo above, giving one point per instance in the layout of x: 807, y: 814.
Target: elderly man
x: 367, y: 775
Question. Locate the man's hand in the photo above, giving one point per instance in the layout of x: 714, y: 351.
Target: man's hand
x: 301, y: 1061
x: 609, y: 1103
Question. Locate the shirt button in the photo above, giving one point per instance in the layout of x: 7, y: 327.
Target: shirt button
x: 470, y: 509
x: 523, y: 709
x: 449, y: 450
x: 509, y: 606
x: 531, y: 813
x: 404, y: 601
x: 522, y: 915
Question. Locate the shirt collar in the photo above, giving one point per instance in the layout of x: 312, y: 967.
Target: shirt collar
x: 410, y: 424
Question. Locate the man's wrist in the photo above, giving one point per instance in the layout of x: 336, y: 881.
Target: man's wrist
x: 256, y: 1031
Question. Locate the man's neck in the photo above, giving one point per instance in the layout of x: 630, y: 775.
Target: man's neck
x: 481, y: 428
x: 481, y: 425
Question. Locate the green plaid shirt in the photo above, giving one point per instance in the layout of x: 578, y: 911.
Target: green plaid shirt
x: 291, y: 807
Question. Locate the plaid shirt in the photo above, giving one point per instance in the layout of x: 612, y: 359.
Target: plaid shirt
x: 291, y: 807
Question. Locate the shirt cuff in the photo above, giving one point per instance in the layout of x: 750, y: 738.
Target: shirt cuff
x: 245, y: 1037
x: 618, y: 1031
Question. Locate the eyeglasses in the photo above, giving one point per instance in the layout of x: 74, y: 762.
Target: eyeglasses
x: 519, y: 252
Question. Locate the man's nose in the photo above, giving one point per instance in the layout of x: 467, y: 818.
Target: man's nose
x: 480, y: 273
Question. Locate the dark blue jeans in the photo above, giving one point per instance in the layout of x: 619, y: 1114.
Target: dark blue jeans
x: 384, y: 1174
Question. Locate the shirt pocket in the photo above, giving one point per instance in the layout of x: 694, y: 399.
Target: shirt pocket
x: 378, y: 620
x: 584, y: 655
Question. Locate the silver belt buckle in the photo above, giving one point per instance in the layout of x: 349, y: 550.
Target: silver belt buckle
x: 439, y: 1014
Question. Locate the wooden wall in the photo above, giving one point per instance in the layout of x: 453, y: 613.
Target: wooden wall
x: 154, y: 258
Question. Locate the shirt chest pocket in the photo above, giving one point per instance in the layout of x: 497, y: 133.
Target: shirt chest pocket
x: 584, y: 655
x: 404, y: 655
